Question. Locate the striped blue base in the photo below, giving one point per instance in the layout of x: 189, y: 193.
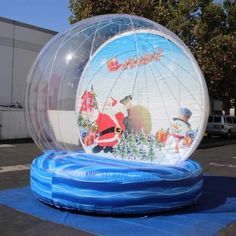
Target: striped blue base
x: 88, y: 183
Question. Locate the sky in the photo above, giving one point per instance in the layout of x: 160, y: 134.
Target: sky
x: 49, y: 14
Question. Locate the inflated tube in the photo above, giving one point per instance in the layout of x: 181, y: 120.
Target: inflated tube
x: 79, y: 181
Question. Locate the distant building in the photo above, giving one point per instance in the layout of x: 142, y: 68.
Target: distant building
x: 216, y: 106
x: 20, y: 44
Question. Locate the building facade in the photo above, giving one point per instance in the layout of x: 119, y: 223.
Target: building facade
x: 20, y: 44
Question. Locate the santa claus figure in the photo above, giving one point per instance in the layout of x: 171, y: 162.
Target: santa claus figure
x: 110, y: 124
x: 176, y: 142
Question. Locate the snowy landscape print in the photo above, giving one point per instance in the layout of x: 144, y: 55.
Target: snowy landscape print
x: 140, y: 98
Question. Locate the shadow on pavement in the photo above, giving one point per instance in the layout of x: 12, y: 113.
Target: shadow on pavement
x: 219, y: 195
x: 15, y: 141
x: 216, y: 141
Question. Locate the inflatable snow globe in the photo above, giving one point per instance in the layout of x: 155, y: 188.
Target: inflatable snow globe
x: 117, y: 103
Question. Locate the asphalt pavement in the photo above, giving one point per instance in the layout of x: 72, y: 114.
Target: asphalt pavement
x: 217, y: 157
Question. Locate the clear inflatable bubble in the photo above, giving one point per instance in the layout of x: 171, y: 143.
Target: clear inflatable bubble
x: 121, y: 86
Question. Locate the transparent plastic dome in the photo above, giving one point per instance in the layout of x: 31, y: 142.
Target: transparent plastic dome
x: 121, y: 86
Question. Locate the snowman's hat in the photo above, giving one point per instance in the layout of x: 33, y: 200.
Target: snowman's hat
x: 185, y: 112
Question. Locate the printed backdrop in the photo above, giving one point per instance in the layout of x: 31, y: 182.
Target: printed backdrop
x: 141, y: 97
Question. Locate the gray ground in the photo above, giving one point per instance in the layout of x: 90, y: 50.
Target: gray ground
x: 217, y: 156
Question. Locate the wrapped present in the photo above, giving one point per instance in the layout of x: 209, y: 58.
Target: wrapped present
x: 162, y: 136
x: 187, y: 141
x: 91, y: 138
x: 86, y: 141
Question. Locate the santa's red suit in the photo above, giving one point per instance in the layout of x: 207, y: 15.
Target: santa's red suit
x: 110, y: 125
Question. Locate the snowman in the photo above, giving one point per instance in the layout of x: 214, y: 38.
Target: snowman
x: 176, y: 144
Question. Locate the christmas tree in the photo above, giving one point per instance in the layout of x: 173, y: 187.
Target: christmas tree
x: 137, y: 145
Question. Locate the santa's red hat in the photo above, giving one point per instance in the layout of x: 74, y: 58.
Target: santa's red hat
x: 114, y: 101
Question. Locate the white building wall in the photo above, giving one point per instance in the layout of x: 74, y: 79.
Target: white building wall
x: 20, y: 71
x: 5, y: 74
x: 6, y: 51
x: 19, y: 46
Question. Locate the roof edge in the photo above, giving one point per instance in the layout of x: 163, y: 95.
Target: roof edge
x: 18, y: 23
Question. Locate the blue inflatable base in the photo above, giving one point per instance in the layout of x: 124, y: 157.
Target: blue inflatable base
x: 94, y: 184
